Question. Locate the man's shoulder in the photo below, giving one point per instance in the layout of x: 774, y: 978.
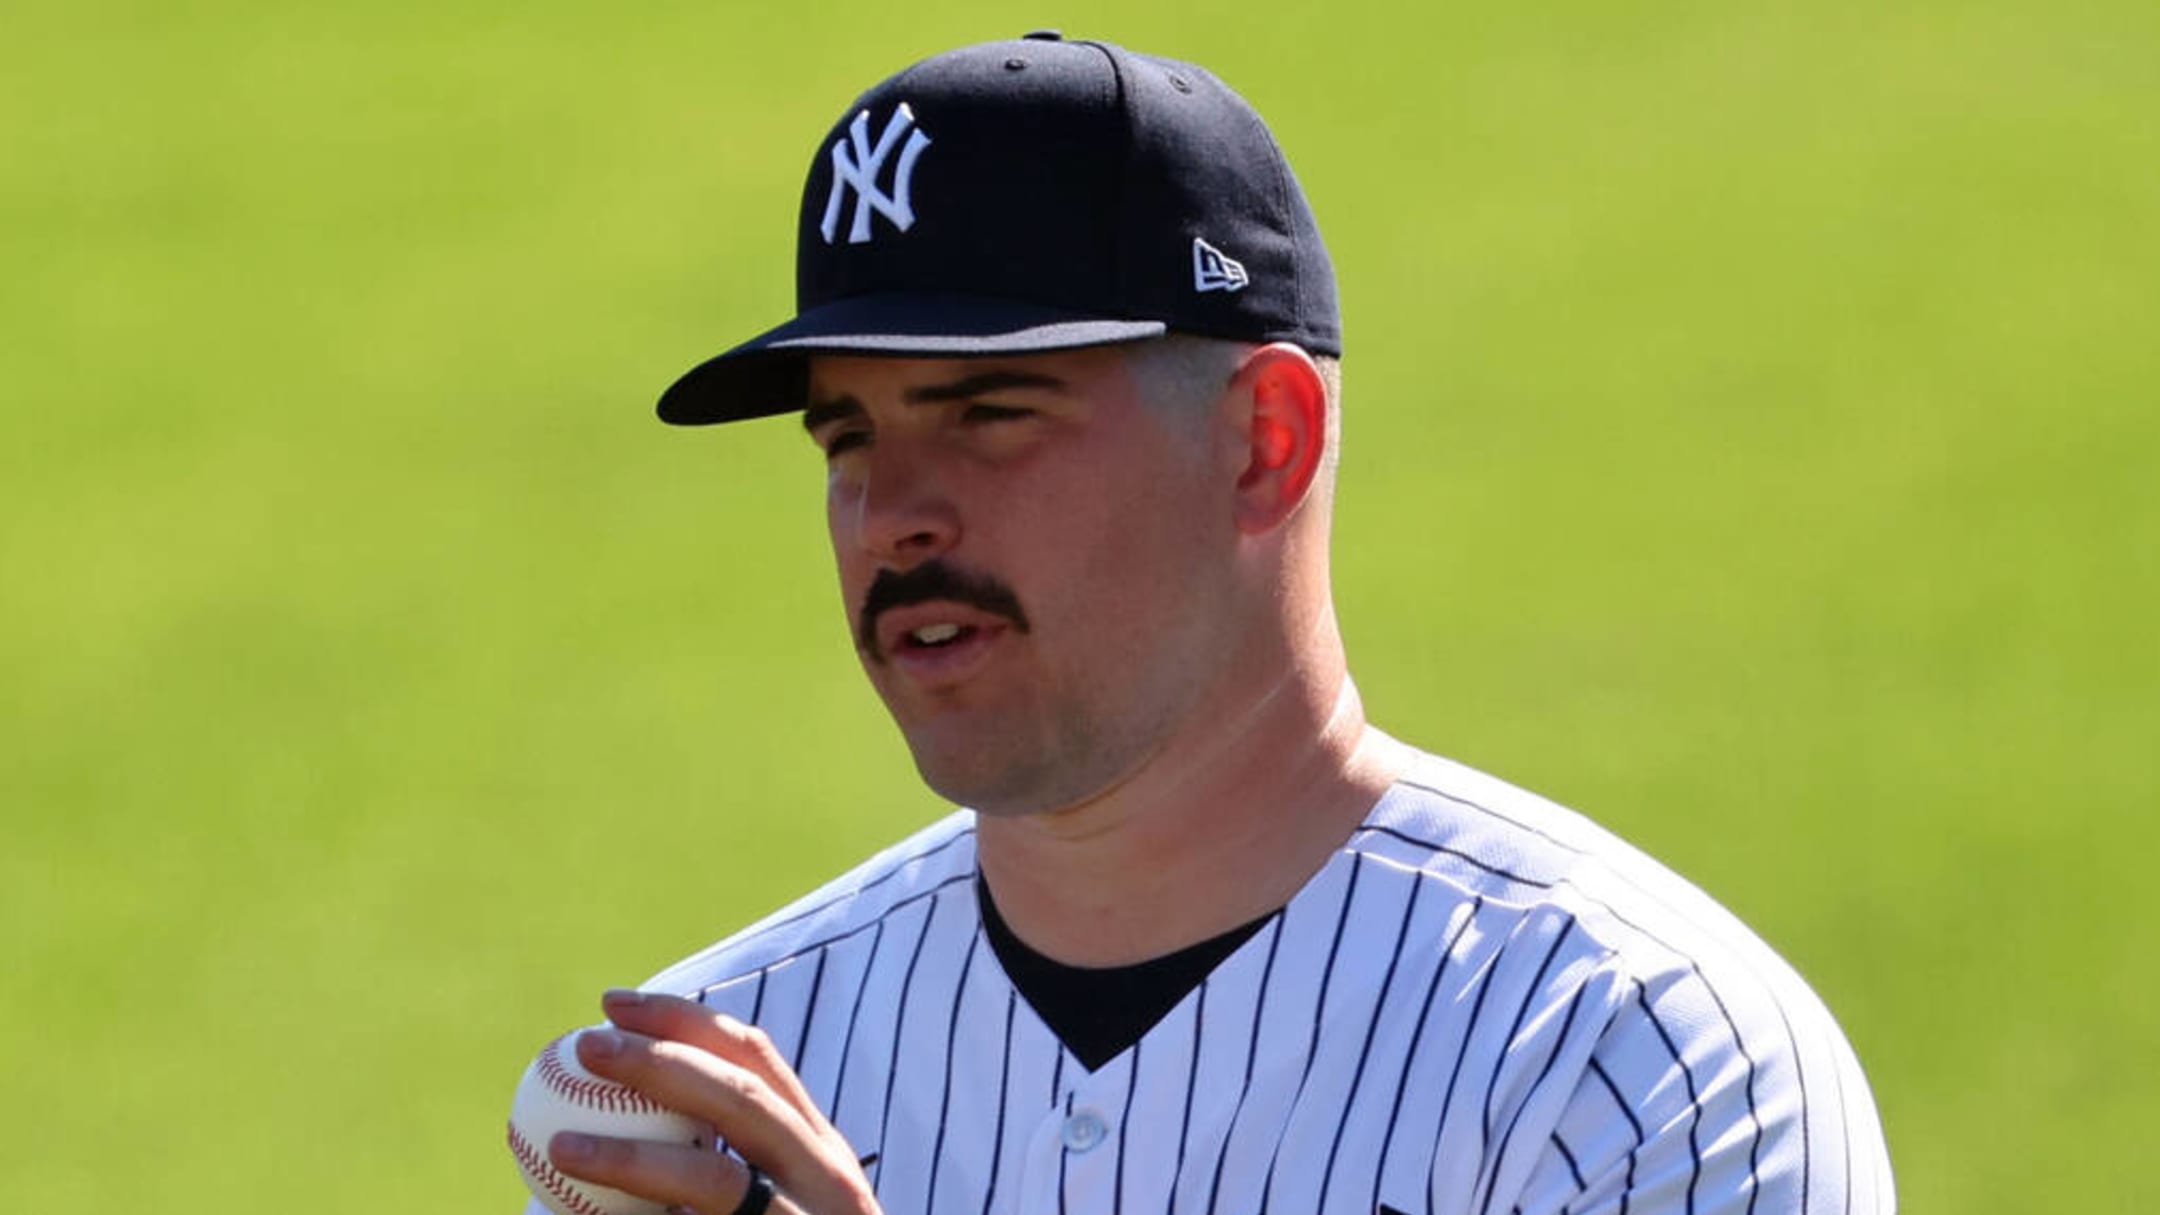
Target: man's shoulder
x: 1702, y: 1029
x: 918, y: 867
x: 1504, y: 844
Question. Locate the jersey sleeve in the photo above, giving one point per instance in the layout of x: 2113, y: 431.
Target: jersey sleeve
x: 1694, y: 1105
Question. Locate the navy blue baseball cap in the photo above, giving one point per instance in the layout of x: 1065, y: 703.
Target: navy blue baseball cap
x: 1032, y: 195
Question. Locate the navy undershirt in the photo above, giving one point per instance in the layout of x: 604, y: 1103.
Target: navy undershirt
x: 1097, y: 1012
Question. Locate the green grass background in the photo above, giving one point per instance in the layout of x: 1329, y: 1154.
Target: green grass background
x: 1751, y: 442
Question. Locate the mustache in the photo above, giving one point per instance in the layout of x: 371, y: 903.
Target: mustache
x: 932, y: 580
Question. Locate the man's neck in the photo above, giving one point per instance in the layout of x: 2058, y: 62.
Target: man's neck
x: 1215, y: 830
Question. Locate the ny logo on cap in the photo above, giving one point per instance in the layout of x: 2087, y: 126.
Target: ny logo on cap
x: 856, y: 164
x: 1211, y: 271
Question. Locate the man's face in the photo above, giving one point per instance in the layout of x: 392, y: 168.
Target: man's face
x: 1037, y: 563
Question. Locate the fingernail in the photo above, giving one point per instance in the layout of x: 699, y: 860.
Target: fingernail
x: 623, y: 996
x: 602, y: 1043
x: 570, y: 1145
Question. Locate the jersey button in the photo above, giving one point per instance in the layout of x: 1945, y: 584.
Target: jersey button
x: 1084, y: 1131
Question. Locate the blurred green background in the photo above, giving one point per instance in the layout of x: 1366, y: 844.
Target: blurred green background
x: 1751, y: 442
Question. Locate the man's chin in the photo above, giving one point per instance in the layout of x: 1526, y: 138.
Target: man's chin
x: 999, y: 790
x: 989, y: 775
x: 1012, y: 760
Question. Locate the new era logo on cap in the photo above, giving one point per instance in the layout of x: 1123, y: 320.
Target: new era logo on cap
x: 1211, y: 271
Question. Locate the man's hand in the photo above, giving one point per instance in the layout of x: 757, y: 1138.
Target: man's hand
x: 689, y: 1058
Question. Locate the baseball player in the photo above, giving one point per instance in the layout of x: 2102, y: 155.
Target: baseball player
x: 1203, y: 942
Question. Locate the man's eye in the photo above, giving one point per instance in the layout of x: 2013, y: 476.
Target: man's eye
x: 995, y: 413
x: 845, y: 441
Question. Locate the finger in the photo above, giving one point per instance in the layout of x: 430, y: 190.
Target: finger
x: 746, y: 1046
x: 736, y: 1101
x: 757, y: 1122
x: 663, y: 1172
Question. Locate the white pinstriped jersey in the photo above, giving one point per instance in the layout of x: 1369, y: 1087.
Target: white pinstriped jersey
x: 1482, y: 1003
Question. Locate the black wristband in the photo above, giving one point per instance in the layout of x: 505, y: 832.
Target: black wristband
x: 757, y: 1197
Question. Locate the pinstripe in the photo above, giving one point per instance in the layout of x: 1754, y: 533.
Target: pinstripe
x: 847, y: 1040
x: 1837, y: 1077
x: 1634, y: 1124
x: 1312, y: 1047
x: 997, y: 1133
x: 1117, y: 1185
x: 1522, y: 1013
x: 1573, y: 1167
x: 1754, y: 1160
x: 1372, y: 1027
x: 802, y: 1039
x: 1410, y: 1052
x: 952, y: 1037
x: 1192, y: 1079
x: 900, y: 1007
x: 1252, y: 1053
x: 1490, y: 968
x: 1799, y: 1063
x: 1642, y: 996
x: 1499, y: 1155
x: 1457, y: 853
x: 895, y: 869
x: 929, y: 892
x: 1064, y: 1157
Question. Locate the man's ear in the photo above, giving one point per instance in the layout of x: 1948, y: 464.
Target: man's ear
x: 1285, y: 405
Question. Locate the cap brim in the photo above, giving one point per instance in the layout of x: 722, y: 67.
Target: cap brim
x: 767, y: 374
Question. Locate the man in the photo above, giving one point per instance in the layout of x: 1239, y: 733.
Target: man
x: 1204, y: 940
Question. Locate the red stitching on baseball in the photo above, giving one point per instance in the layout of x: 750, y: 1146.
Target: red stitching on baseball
x: 538, y: 1168
x: 592, y: 1094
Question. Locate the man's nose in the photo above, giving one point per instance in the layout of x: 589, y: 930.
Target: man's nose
x: 905, y: 514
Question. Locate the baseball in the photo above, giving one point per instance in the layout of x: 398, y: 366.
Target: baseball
x: 558, y: 1094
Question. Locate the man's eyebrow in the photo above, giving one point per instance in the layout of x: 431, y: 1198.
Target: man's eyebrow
x: 979, y: 385
x: 818, y: 413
